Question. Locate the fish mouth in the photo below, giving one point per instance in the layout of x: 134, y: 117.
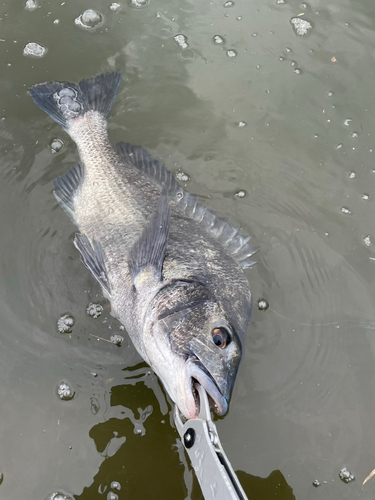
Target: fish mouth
x: 196, y: 373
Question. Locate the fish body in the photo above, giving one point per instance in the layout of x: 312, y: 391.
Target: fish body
x: 171, y: 268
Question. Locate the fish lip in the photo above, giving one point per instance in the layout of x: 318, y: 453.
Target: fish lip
x: 196, y: 371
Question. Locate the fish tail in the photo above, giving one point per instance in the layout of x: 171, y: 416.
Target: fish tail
x: 65, y: 101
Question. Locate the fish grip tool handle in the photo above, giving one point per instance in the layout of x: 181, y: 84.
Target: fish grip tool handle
x: 214, y: 472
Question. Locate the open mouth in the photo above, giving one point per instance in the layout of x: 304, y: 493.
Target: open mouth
x: 195, y: 373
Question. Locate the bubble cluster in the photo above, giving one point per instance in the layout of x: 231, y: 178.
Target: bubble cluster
x: 65, y: 323
x: 301, y: 26
x: 263, y: 305
x: 116, y: 339
x: 139, y: 3
x: 181, y: 41
x: 33, y: 49
x: 219, y: 40
x: 65, y: 392
x: 240, y: 194
x: 345, y: 210
x: 94, y: 310
x: 346, y: 475
x: 89, y: 20
x: 115, y: 6
x: 231, y: 53
x: 56, y: 145
x: 242, y: 124
x: 31, y: 5
x: 367, y: 240
x: 182, y: 176
x: 68, y: 103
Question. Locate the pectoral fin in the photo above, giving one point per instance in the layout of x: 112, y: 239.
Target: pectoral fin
x: 147, y: 254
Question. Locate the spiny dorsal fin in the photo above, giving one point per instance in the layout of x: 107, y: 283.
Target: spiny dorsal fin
x: 93, y: 257
x: 66, y: 187
x: 236, y: 244
x: 148, y: 252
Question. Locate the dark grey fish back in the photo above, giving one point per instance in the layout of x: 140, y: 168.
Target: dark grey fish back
x: 234, y: 242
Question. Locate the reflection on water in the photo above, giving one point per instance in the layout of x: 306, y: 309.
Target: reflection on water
x: 275, y: 129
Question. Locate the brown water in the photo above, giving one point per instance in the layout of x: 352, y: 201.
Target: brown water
x: 304, y: 402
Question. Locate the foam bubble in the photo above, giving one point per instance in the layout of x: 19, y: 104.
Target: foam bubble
x: 301, y: 26
x: 31, y: 5
x: 33, y: 49
x: 94, y: 310
x: 231, y: 53
x: 65, y: 392
x: 56, y: 145
x: 181, y: 41
x: 65, y: 323
x: 89, y: 20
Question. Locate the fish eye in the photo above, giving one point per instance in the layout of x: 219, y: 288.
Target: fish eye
x: 221, y: 337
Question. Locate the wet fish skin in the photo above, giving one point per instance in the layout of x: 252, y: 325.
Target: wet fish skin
x: 170, y: 296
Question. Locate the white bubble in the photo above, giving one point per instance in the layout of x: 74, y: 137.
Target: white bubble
x: 33, y: 49
x: 116, y: 339
x: 181, y: 41
x: 242, y: 124
x: 56, y: 21
x: 301, y: 26
x: 229, y: 3
x: 31, y: 5
x: 365, y: 197
x: 352, y: 175
x: 65, y: 392
x: 56, y: 145
x: 347, y: 122
x: 138, y: 3
x: 367, y: 240
x: 240, y: 194
x: 355, y: 135
x: 89, y: 20
x: 218, y: 39
x: 182, y: 176
x: 231, y: 53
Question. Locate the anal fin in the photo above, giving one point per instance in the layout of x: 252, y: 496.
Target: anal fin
x: 66, y: 187
x: 93, y: 257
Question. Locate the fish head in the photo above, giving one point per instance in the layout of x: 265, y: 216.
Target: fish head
x: 189, y: 338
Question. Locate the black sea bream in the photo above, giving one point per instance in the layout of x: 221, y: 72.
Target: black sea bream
x: 171, y: 268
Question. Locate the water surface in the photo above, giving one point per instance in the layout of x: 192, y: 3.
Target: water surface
x: 276, y: 131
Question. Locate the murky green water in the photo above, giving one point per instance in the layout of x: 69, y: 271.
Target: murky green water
x: 289, y: 120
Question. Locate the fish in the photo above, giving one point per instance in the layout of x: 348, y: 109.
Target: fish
x: 171, y: 268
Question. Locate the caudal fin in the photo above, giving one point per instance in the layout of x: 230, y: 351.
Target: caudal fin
x: 66, y: 101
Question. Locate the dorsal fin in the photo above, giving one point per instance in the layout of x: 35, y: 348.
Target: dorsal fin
x: 235, y: 244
